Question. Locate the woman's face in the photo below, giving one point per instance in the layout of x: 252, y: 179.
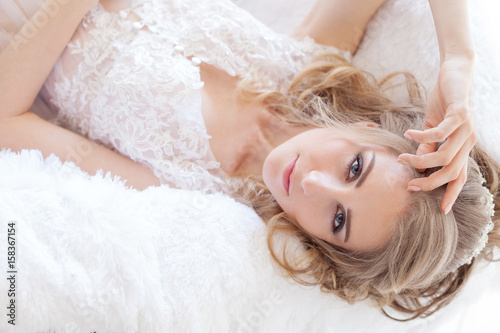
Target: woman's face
x: 346, y: 193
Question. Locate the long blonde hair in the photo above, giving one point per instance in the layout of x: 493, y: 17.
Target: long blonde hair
x: 420, y: 269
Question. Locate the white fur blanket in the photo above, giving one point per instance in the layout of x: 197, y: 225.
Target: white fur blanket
x: 92, y: 255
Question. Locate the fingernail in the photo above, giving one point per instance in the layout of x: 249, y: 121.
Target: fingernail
x: 408, y: 136
x: 413, y: 188
x: 402, y: 161
x: 447, y: 209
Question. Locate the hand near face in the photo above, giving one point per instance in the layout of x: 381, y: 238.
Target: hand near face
x: 450, y: 120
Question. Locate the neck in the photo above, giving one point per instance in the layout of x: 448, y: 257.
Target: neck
x: 276, y: 130
x: 269, y: 132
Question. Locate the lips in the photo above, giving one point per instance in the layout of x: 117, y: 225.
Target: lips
x: 287, y: 175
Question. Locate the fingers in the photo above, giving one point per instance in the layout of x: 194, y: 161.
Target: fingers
x: 423, y: 162
x: 459, y: 136
x: 444, y: 155
x: 453, y: 190
x: 446, y: 174
x: 425, y: 148
x: 456, y: 117
x: 428, y: 157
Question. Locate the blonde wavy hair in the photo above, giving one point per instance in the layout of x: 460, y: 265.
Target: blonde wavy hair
x: 420, y: 269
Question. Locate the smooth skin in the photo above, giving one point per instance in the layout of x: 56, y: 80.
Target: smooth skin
x: 343, y: 28
x: 24, y: 67
x: 449, y: 115
x: 336, y: 180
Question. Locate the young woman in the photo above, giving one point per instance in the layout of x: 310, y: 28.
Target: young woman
x: 199, y: 95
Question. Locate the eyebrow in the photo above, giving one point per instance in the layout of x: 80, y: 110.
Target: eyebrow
x: 360, y: 181
x: 363, y: 176
x: 347, y: 225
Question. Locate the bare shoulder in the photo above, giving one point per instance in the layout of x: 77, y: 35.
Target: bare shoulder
x: 115, y: 5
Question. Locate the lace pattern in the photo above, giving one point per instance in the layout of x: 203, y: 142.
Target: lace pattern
x: 131, y: 82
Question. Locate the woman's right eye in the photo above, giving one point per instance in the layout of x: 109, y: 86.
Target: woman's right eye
x: 338, y: 221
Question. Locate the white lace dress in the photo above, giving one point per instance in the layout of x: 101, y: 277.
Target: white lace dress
x: 131, y: 80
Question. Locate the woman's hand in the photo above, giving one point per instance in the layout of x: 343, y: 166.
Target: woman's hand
x: 449, y: 120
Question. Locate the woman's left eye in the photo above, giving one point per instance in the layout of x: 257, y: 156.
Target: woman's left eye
x: 355, y: 167
x: 338, y: 221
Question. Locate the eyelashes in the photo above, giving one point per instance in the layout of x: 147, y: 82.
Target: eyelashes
x: 354, y: 170
x: 355, y: 166
x: 338, y: 221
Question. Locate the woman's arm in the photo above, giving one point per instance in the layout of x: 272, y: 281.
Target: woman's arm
x: 339, y: 23
x: 453, y: 28
x: 24, y: 66
x: 26, y: 63
x: 28, y: 131
x: 448, y: 113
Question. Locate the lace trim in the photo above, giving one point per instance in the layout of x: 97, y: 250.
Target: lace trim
x: 136, y: 91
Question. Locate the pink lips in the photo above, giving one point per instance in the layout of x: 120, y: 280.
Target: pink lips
x: 287, y: 175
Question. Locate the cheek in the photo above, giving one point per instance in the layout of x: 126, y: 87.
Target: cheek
x: 313, y: 218
x: 271, y: 174
x: 266, y: 169
x: 277, y: 160
x: 333, y: 154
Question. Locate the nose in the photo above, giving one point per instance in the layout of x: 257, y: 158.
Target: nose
x: 317, y: 183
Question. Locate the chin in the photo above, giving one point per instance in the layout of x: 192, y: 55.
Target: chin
x: 266, y: 172
x: 271, y: 173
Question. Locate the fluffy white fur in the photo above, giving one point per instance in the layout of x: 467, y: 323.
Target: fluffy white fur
x: 93, y: 255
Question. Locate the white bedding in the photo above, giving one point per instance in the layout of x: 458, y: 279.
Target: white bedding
x: 95, y: 256
x: 88, y: 249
